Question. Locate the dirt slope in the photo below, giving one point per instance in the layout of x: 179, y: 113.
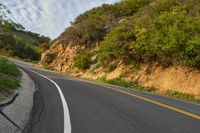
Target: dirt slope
x: 186, y: 80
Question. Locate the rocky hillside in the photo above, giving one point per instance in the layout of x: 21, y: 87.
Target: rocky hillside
x: 152, y: 42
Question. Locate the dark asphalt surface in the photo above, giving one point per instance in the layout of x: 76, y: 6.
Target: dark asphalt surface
x: 96, y: 109
x: 47, y: 113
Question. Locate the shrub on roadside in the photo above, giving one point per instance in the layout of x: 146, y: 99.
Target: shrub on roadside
x: 8, y: 75
x: 184, y: 96
x: 116, y: 81
x: 7, y: 83
x: 8, y: 68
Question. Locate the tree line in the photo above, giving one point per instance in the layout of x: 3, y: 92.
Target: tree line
x: 16, y: 41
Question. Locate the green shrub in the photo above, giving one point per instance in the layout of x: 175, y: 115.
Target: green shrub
x: 123, y: 83
x: 116, y: 44
x: 184, y: 96
x: 7, y: 82
x: 82, y: 60
x: 116, y: 81
x: 8, y: 68
x: 8, y: 75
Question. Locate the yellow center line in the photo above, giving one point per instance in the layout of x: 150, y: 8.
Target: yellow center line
x: 158, y: 103
x: 150, y: 101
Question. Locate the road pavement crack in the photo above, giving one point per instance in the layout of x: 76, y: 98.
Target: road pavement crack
x: 36, y: 113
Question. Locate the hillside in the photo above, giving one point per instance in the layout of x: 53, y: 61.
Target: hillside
x: 152, y: 42
x: 16, y: 41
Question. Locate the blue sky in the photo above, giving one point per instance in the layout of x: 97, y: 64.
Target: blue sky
x: 49, y: 17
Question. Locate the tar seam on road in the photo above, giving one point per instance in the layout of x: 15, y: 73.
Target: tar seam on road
x: 67, y: 123
x: 148, y: 100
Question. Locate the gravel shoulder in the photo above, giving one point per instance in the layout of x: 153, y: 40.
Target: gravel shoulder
x: 5, y: 94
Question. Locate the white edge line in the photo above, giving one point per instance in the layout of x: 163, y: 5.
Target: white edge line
x: 67, y: 123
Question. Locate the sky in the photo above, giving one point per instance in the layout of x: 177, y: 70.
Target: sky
x: 49, y: 17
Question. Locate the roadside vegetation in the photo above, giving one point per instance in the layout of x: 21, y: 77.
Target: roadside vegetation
x: 183, y: 96
x: 134, y: 85
x: 82, y: 60
x: 123, y: 83
x: 9, y: 75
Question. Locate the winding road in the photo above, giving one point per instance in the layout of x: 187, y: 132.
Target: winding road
x: 65, y: 104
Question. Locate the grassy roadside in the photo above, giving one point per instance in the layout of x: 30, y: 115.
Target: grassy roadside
x: 183, y: 96
x: 123, y: 83
x: 8, y: 77
x: 134, y: 85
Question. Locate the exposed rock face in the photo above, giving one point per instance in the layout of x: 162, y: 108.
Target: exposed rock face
x: 179, y: 79
x: 60, y: 57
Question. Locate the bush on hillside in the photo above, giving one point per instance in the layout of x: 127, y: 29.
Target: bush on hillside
x: 82, y: 60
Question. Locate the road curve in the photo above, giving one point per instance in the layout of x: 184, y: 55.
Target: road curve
x: 95, y: 108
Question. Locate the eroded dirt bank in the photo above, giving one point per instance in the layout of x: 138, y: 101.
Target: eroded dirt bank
x: 182, y: 79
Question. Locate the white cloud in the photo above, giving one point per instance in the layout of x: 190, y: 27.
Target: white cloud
x: 49, y: 17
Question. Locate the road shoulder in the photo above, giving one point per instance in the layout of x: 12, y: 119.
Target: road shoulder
x: 19, y: 110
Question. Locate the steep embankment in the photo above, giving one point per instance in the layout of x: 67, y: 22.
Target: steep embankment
x: 155, y: 43
x: 175, y: 78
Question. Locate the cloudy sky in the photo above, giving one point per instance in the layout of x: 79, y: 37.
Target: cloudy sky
x: 49, y: 17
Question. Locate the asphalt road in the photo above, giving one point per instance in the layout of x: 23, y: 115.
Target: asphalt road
x: 100, y: 108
